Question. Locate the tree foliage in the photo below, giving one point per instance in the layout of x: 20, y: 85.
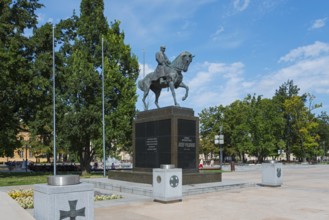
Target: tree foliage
x: 17, y: 85
x: 264, y: 127
x: 27, y: 81
x: 80, y: 92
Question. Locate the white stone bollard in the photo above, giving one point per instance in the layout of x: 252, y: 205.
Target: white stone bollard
x: 167, y: 184
x: 57, y: 200
x: 272, y: 174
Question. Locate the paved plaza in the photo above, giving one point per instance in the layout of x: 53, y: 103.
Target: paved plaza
x: 303, y: 195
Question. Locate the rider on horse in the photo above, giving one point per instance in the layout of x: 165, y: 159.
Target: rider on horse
x: 163, y: 61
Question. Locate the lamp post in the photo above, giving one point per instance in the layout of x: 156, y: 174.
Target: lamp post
x: 219, y: 139
x: 324, y: 151
x: 26, y: 158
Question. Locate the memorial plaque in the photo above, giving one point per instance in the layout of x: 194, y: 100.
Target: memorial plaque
x: 166, y: 136
x: 152, y: 146
x: 186, y: 144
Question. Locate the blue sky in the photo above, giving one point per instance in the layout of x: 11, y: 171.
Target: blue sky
x: 241, y: 46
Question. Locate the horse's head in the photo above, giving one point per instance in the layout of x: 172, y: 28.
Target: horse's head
x: 183, y: 61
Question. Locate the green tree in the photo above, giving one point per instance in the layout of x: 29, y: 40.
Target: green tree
x: 263, y: 121
x: 17, y: 97
x: 303, y: 126
x: 210, y: 121
x: 237, y: 130
x: 42, y: 125
x: 286, y: 91
x: 79, y: 92
x: 207, y: 146
x: 323, y: 131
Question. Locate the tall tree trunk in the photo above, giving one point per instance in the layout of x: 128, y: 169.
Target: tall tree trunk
x: 85, y: 159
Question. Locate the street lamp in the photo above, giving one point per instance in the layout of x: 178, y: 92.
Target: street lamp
x: 26, y: 158
x: 219, y: 139
x: 324, y: 151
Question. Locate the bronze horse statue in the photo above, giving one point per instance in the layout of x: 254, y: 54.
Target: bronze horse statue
x: 173, y: 78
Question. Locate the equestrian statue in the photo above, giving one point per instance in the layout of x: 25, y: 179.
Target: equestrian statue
x: 166, y: 75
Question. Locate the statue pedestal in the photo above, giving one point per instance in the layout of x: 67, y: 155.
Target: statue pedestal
x: 167, y: 135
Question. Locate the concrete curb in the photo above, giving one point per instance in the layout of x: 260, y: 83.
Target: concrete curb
x: 10, y: 209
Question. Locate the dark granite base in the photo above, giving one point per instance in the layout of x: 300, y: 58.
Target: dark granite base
x: 168, y: 135
x: 146, y: 177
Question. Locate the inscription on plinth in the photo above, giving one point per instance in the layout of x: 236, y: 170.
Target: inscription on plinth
x: 186, y: 144
x: 166, y: 136
x: 152, y: 141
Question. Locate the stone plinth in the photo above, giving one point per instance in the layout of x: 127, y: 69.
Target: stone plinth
x: 63, y: 202
x: 167, y: 135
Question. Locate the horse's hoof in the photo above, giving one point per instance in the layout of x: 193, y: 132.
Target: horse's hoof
x: 183, y: 98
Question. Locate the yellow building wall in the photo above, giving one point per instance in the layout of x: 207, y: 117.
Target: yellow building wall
x: 21, y: 154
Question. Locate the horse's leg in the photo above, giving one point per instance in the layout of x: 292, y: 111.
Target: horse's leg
x: 172, y: 89
x: 157, y: 93
x: 146, y: 92
x: 186, y: 90
x: 144, y: 85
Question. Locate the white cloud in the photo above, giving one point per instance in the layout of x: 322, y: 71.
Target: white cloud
x: 228, y: 39
x: 319, y: 23
x: 217, y: 83
x: 311, y: 76
x: 309, y: 51
x: 241, y: 5
x: 41, y: 17
x: 213, y: 84
x: 220, y: 83
x: 152, y: 20
x: 142, y: 72
x: 215, y: 36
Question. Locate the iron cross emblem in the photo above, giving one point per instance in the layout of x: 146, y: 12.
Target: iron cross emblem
x: 174, y: 180
x: 73, y: 213
x: 278, y: 172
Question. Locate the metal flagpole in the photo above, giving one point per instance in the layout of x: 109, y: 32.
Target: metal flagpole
x: 143, y: 63
x: 54, y: 101
x: 103, y: 112
x: 148, y: 97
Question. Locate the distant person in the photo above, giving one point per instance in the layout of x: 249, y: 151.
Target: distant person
x: 201, y: 164
x: 113, y: 166
x: 95, y: 165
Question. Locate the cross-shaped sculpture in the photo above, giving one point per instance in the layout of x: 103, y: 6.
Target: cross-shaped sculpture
x: 174, y: 180
x: 278, y: 172
x: 73, y: 213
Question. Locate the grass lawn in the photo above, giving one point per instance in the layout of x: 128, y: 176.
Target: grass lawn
x: 15, y: 179
x: 18, y: 178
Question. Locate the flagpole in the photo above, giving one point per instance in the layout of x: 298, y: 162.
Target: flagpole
x: 103, y: 111
x: 54, y: 102
x: 143, y: 63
